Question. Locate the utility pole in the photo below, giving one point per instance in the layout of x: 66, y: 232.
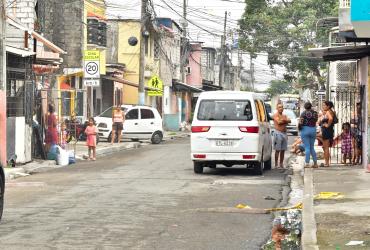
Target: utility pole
x: 223, y: 52
x: 184, y: 26
x: 3, y: 157
x: 240, y: 62
x: 143, y: 37
x: 252, y: 71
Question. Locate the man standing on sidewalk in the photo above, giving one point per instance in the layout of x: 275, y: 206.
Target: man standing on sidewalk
x: 280, y: 136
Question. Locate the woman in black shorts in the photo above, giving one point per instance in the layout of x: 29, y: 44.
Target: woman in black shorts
x: 327, y: 129
x: 118, y: 118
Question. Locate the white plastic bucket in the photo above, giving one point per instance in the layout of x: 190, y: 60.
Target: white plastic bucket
x: 62, y: 157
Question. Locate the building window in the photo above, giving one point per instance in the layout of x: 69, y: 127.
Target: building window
x: 96, y: 32
x: 157, y: 50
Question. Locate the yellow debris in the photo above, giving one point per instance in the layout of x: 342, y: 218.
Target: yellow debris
x: 297, y: 206
x: 328, y: 196
x: 242, y: 206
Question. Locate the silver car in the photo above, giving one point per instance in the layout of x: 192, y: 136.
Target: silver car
x: 293, y: 126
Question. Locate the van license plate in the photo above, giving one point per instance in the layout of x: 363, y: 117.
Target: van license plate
x: 224, y: 143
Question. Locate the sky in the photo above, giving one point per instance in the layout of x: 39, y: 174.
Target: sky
x: 206, y: 24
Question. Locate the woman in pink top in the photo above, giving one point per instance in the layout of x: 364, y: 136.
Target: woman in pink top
x: 91, y: 132
x: 118, y: 118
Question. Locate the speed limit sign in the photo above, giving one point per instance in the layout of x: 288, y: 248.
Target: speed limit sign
x: 91, y: 64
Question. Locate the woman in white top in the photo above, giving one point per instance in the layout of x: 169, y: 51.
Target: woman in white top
x: 118, y: 118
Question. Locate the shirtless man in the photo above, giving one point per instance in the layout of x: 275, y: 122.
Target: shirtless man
x: 280, y: 137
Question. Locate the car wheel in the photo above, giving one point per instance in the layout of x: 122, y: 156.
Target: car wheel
x: 109, y: 139
x: 198, y: 167
x: 2, y: 182
x: 268, y: 164
x: 157, y: 137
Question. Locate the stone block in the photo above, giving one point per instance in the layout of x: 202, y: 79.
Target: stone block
x: 22, y: 15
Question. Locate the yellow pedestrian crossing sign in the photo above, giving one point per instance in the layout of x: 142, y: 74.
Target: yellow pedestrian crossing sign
x: 156, y: 86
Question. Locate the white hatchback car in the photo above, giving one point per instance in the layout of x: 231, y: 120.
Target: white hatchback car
x: 142, y: 123
x: 230, y: 128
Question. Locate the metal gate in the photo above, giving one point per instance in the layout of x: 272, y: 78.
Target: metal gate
x: 345, y: 99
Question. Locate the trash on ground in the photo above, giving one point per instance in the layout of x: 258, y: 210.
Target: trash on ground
x: 355, y: 243
x: 286, y: 232
x: 329, y: 196
x: 242, y: 206
x: 269, y: 198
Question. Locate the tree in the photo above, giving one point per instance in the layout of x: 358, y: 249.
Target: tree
x: 285, y: 30
x: 280, y: 87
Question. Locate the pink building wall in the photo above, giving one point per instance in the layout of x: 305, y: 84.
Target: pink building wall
x: 3, y: 157
x: 195, y: 76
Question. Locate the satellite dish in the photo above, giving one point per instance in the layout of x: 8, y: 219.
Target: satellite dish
x: 132, y: 41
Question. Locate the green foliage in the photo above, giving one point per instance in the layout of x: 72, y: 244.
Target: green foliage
x: 285, y: 30
x: 280, y: 87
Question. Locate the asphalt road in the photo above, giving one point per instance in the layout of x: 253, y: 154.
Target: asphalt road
x: 147, y: 198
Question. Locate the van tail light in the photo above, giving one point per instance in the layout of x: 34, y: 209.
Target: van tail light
x: 199, y: 129
x: 197, y: 156
x: 248, y: 157
x: 253, y: 129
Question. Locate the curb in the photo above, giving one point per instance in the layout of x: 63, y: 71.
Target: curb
x: 113, y: 149
x: 309, y: 240
x: 37, y: 167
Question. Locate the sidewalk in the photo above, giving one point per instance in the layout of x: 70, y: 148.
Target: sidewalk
x: 333, y: 222
x: 103, y: 148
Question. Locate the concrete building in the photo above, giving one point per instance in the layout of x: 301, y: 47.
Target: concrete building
x: 30, y: 56
x: 75, y: 26
x: 354, y: 22
x: 121, y: 52
x: 167, y: 50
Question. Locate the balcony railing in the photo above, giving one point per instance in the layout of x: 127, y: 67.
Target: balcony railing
x: 344, y: 3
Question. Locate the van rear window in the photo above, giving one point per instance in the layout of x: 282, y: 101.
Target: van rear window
x: 225, y: 110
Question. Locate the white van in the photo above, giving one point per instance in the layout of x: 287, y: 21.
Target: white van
x: 231, y: 128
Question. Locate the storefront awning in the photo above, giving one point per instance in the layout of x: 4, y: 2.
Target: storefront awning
x: 124, y: 81
x: 183, y: 87
x: 340, y: 53
x: 210, y: 87
x: 18, y: 51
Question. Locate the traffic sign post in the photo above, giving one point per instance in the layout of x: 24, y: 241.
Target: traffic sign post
x: 91, y: 68
x: 91, y: 75
x: 156, y: 85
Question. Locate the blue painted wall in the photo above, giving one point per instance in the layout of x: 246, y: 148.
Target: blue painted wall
x: 171, y: 122
x: 360, y: 10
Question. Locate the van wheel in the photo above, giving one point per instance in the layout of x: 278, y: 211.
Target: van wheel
x: 267, y: 164
x: 157, y: 137
x: 2, y: 184
x: 198, y: 167
x: 258, y: 166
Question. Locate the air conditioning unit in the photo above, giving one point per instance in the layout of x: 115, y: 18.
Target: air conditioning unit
x: 343, y: 73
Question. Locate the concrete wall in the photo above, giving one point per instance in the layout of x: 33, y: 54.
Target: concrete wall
x: 112, y: 42
x: 208, y: 64
x: 63, y: 25
x: 25, y: 12
x: 195, y: 76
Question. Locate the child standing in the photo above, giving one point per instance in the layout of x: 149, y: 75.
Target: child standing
x: 63, y: 140
x: 91, y: 131
x: 346, y: 140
